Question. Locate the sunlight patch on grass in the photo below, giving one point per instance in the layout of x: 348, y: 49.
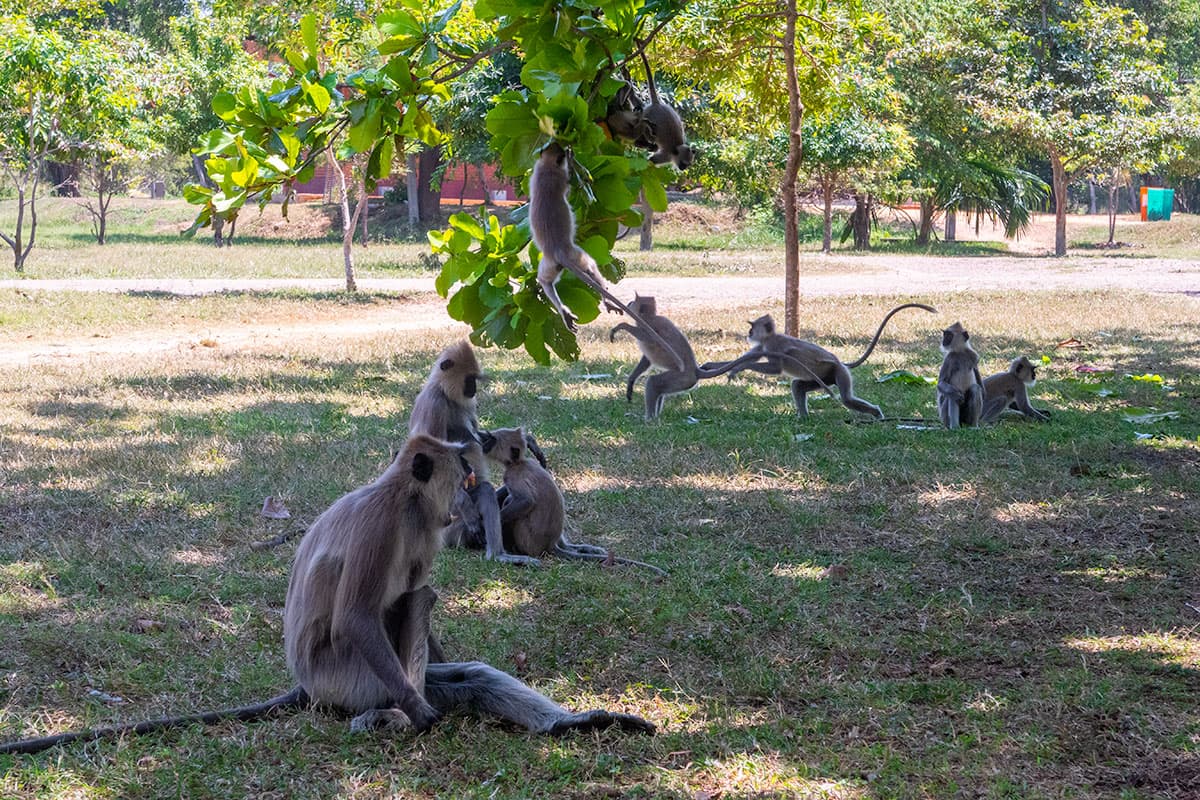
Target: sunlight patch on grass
x: 1016, y: 513
x: 1179, y: 648
x: 765, y: 773
x: 806, y: 572
x: 1115, y: 574
x: 945, y: 494
x: 986, y: 702
x: 490, y: 596
x: 197, y: 558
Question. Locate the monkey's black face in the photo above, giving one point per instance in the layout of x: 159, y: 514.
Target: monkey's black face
x: 684, y: 156
x: 470, y: 386
x: 947, y: 338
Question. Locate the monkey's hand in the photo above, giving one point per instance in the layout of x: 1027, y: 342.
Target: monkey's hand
x: 422, y: 715
x: 532, y: 444
x: 613, y: 308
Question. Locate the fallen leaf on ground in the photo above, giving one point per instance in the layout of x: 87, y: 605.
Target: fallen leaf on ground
x: 273, y: 508
x: 834, y: 572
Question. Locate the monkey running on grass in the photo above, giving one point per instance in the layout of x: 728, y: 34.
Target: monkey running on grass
x: 959, y: 387
x: 532, y: 510
x: 357, y: 619
x: 775, y: 353
x: 1010, y: 390
x: 552, y: 223
x: 669, y: 380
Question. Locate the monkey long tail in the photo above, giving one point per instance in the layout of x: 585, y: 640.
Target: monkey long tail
x: 883, y: 324
x: 566, y: 553
x: 296, y: 698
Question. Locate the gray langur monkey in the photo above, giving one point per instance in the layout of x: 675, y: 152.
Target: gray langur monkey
x: 668, y: 380
x: 1010, y: 390
x: 669, y: 141
x: 552, y: 224
x: 959, y: 386
x: 445, y: 408
x: 357, y: 618
x: 625, y: 117
x: 532, y: 510
x: 810, y: 366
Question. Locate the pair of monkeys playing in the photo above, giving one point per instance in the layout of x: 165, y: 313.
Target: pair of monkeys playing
x: 357, y: 619
x: 967, y: 399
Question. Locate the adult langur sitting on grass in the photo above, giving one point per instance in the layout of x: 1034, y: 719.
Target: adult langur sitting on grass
x: 959, y: 387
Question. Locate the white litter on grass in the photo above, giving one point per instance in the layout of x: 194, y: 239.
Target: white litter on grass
x: 903, y: 427
x: 802, y: 437
x: 105, y: 697
x: 595, y: 376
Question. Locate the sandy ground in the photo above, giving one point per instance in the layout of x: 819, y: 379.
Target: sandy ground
x: 825, y: 276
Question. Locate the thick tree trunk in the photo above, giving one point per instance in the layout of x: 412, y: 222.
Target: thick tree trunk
x: 827, y: 230
x: 791, y: 229
x: 1060, y: 204
x: 860, y: 222
x: 925, y: 227
x: 647, y: 238
x: 410, y: 183
x: 431, y: 199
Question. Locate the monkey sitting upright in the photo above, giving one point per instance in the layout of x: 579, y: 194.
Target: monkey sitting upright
x: 959, y: 387
x: 1009, y: 390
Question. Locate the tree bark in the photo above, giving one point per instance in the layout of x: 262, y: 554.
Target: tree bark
x: 951, y: 225
x: 1113, y: 189
x: 791, y: 225
x: 1091, y: 197
x: 860, y: 222
x: 348, y: 223
x: 410, y: 183
x: 647, y: 239
x: 827, y: 230
x: 431, y: 199
x: 1060, y: 204
x: 925, y: 228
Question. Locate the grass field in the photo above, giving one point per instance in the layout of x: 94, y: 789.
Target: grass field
x: 1015, y: 615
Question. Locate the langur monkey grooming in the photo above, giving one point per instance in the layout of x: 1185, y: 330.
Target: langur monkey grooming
x: 810, y: 366
x: 959, y: 387
x: 552, y: 224
x: 1009, y: 390
x: 669, y: 380
x: 357, y: 618
x: 445, y: 408
x: 531, y: 504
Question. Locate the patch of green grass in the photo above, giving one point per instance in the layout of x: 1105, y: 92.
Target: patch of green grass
x: 1012, y: 619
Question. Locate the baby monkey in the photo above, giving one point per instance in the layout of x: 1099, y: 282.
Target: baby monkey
x: 959, y: 387
x: 1010, y: 390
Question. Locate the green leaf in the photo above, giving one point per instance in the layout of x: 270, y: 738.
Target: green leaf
x: 308, y: 30
x: 468, y: 224
x: 906, y: 377
x: 224, y: 104
x: 656, y: 193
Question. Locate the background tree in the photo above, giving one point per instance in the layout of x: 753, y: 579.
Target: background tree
x: 1071, y: 77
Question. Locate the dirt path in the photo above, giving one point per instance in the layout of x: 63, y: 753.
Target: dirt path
x: 833, y: 276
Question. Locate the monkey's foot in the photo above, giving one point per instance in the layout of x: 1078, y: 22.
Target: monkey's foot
x: 381, y: 719
x: 598, y: 720
x: 570, y: 321
x: 512, y: 558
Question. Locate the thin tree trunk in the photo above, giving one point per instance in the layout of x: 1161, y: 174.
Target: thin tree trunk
x: 827, y: 231
x: 410, y: 184
x: 431, y: 199
x: 462, y: 192
x: 647, y: 240
x: 487, y: 195
x: 1060, y: 204
x: 1091, y: 197
x: 951, y: 225
x: 348, y: 224
x: 366, y: 212
x: 1113, y: 189
x: 791, y: 235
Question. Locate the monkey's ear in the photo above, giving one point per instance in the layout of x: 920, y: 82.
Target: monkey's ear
x: 447, y: 364
x: 422, y: 467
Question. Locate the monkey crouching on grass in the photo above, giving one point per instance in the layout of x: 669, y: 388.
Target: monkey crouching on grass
x: 1010, y: 390
x: 357, y: 619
